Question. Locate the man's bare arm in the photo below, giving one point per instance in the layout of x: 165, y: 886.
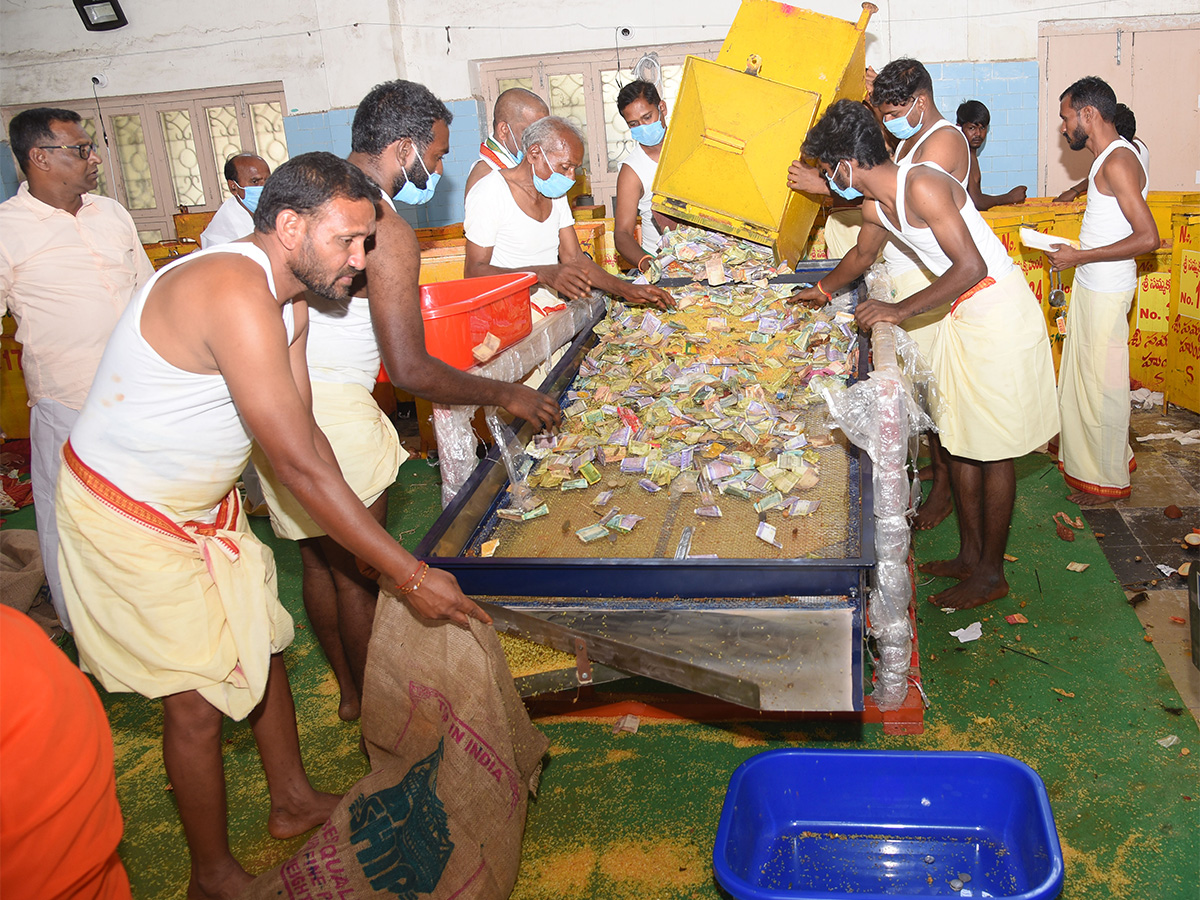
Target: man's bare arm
x: 249, y: 346
x: 478, y: 171
x: 871, y: 238
x: 1121, y: 175
x: 629, y: 192
x: 393, y: 266
x: 570, y: 281
x: 933, y: 198
x: 570, y: 253
x: 984, y: 201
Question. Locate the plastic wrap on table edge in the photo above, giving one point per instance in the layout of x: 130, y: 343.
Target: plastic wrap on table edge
x: 877, y: 415
x: 453, y: 425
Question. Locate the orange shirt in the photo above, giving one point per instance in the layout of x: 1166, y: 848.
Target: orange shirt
x: 59, y: 819
x: 66, y: 279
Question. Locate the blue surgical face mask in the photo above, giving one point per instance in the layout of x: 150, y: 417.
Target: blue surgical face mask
x: 901, y: 127
x: 850, y: 192
x: 554, y: 186
x: 252, y: 193
x: 517, y: 154
x: 649, y: 135
x: 413, y: 195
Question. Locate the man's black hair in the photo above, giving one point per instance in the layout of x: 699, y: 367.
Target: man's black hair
x: 972, y: 112
x: 31, y: 128
x: 393, y: 111
x: 1125, y: 122
x: 848, y: 130
x: 635, y: 90
x: 307, y: 182
x: 899, y: 81
x: 1094, y: 92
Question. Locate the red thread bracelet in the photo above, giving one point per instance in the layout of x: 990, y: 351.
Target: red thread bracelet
x: 417, y: 571
x: 828, y: 296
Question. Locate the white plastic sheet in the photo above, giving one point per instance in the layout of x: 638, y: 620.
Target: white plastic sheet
x: 452, y: 425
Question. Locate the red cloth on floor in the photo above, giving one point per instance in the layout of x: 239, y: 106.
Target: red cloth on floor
x: 60, y: 822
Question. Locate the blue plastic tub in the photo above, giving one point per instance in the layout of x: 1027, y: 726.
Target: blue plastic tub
x: 878, y: 825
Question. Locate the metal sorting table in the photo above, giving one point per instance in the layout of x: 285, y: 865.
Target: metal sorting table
x: 783, y: 634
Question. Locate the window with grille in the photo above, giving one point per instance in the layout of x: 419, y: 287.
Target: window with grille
x: 168, y: 151
x: 583, y: 87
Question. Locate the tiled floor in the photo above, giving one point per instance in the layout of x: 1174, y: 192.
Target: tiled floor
x: 1138, y: 536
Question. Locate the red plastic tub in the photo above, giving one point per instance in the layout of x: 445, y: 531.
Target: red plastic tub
x: 459, y: 314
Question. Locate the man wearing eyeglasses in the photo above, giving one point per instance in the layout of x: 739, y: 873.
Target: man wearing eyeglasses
x: 70, y: 261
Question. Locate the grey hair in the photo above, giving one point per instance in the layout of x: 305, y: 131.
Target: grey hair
x: 546, y: 129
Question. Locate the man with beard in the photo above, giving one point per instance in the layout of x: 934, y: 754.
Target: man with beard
x: 171, y: 594
x: 1093, y: 384
x: 399, y: 136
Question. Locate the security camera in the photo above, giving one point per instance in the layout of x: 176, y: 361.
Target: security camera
x: 100, y: 80
x: 625, y: 33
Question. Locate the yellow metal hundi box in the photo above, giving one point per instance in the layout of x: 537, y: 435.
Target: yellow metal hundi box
x: 740, y: 121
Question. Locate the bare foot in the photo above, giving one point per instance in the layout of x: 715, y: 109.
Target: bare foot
x: 925, y: 473
x: 973, y: 591
x: 947, y: 568
x: 349, y: 708
x: 1086, y: 500
x: 287, y: 820
x: 225, y: 882
x: 935, y: 507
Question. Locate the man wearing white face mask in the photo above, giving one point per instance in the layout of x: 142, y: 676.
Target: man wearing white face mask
x: 245, y: 174
x: 400, y: 133
x: 645, y: 113
x: 518, y: 220
x: 516, y: 109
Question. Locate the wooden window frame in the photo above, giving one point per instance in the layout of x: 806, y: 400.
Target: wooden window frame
x: 148, y: 106
x: 486, y: 75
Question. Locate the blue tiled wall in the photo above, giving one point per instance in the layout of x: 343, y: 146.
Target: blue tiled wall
x: 1010, y: 91
x: 331, y: 131
x: 9, y: 179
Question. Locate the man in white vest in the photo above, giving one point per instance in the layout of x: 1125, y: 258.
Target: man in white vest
x: 1093, y: 383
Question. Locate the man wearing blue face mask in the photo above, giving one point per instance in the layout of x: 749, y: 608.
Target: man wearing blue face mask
x: 646, y: 115
x: 516, y: 109
x: 518, y: 220
x: 902, y: 94
x: 245, y: 174
x: 400, y: 133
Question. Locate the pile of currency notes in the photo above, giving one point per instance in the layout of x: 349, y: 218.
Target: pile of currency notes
x: 688, y: 252
x: 707, y: 399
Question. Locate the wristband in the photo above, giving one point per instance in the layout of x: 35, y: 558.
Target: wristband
x: 642, y: 260
x: 828, y: 296
x: 422, y: 569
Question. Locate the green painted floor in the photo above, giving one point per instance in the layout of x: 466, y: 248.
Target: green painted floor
x: 635, y: 816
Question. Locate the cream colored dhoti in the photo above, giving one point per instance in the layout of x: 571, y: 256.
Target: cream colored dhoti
x: 1093, y: 394
x: 922, y: 327
x: 991, y: 357
x: 161, y: 607
x: 841, y: 231
x: 364, y: 442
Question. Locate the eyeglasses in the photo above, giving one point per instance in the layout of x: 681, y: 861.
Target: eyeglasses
x: 84, y: 150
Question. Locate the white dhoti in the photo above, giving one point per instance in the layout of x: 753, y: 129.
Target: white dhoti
x: 162, y: 606
x: 991, y: 357
x: 1093, y: 394
x: 364, y: 442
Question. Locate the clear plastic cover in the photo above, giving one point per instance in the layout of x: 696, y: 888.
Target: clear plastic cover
x: 453, y: 425
x: 883, y: 415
